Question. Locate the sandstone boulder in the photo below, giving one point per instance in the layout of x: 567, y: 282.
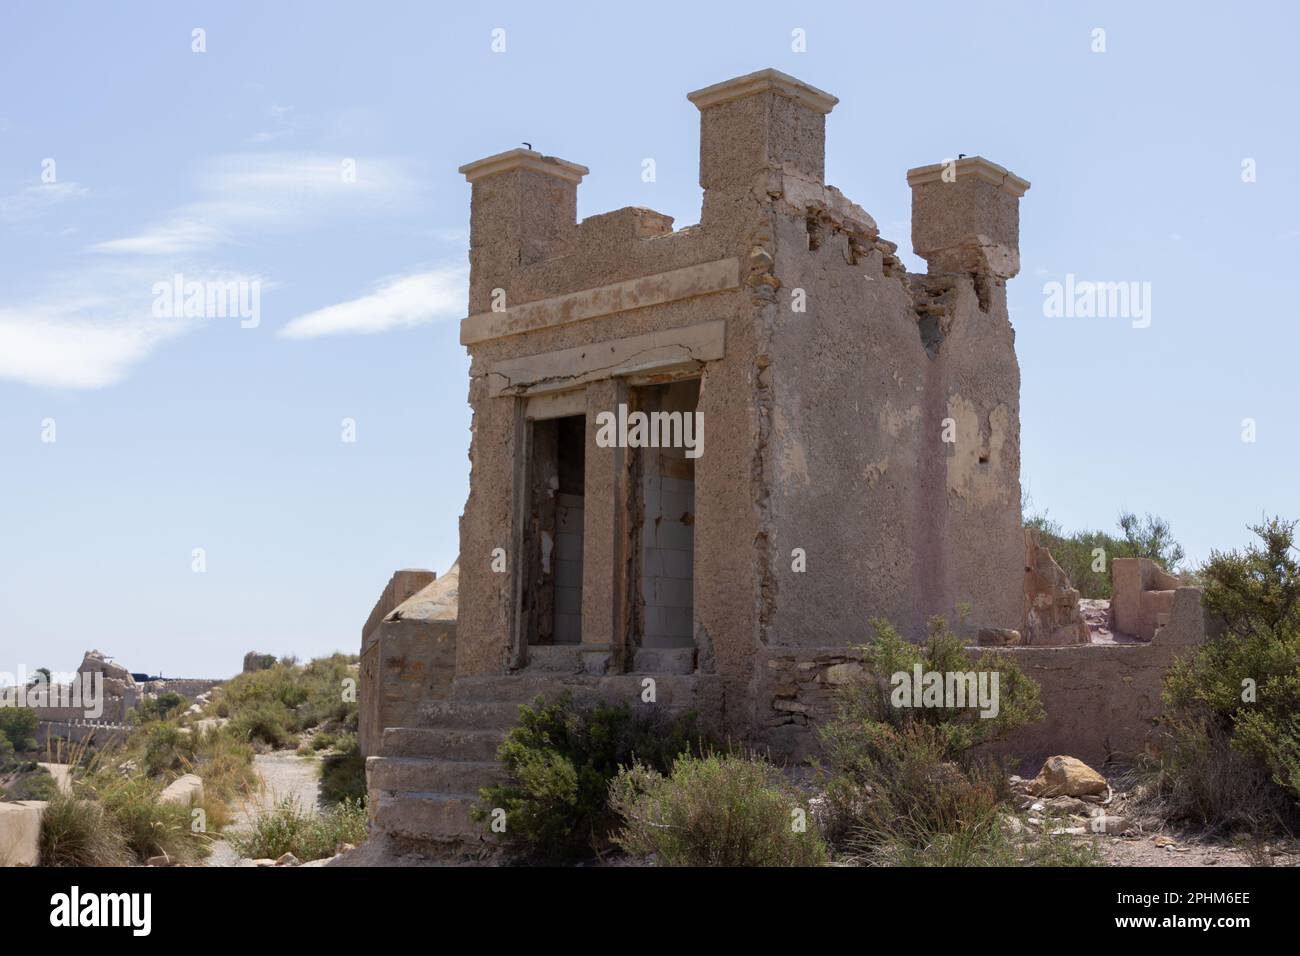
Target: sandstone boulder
x: 1068, y: 777
x: 184, y: 790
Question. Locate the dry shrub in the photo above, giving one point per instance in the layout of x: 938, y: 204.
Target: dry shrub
x: 715, y: 811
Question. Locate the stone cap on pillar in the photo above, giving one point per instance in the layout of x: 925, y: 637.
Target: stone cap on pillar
x: 524, y: 209
x: 528, y: 160
x: 967, y: 166
x: 966, y: 217
x: 764, y: 81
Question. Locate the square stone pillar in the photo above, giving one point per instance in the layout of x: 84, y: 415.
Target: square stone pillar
x: 751, y: 128
x: 760, y: 121
x: 523, y: 209
x: 606, y: 547
x: 966, y: 217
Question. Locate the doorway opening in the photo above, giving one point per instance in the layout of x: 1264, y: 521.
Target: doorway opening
x: 664, y: 523
x: 552, y: 587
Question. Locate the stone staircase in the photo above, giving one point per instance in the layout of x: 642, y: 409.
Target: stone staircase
x: 424, y: 781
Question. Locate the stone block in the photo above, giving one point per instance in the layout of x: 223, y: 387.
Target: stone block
x: 20, y: 832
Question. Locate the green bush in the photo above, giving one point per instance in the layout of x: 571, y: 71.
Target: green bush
x: 265, y: 723
x: 18, y: 726
x: 901, y: 778
x: 163, y: 707
x: 867, y: 701
x: 308, y: 836
x: 715, y: 811
x: 150, y: 828
x: 561, y: 758
x: 274, y: 705
x: 343, y: 772
x: 79, y: 832
x: 1232, y: 708
x: 165, y: 749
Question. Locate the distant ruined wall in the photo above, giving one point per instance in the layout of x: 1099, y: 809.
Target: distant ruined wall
x: 1142, y: 596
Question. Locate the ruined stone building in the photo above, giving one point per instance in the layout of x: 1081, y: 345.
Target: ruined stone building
x: 860, y: 453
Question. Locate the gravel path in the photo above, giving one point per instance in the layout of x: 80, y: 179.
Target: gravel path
x: 284, y: 774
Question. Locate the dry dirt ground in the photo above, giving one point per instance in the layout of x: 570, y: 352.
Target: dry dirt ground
x: 284, y: 774
x: 1163, y: 850
x: 1147, y: 840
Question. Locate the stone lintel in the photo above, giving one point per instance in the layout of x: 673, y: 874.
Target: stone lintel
x: 764, y: 81
x: 970, y: 166
x: 521, y: 158
x: 703, y: 279
x: 565, y: 369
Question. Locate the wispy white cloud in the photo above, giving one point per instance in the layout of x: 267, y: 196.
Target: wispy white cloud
x: 246, y: 194
x: 91, y: 327
x: 29, y: 203
x: 165, y: 239
x: 397, y: 302
x: 55, y: 347
x: 88, y: 327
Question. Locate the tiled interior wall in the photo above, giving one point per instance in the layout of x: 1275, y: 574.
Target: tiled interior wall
x: 568, y: 569
x: 668, y: 530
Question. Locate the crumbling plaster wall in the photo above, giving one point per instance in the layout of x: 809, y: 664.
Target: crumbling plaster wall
x: 860, y: 386
x: 846, y: 389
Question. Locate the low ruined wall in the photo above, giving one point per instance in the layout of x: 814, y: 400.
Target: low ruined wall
x: 1100, y: 699
x: 407, y: 659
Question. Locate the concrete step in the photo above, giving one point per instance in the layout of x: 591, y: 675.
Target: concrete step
x: 433, y: 817
x: 555, y: 659
x: 469, y: 714
x: 664, y: 660
x: 420, y: 774
x: 676, y: 691
x: 442, y: 743
x: 512, y: 688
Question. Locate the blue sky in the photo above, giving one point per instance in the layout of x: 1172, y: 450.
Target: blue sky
x: 176, y: 434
